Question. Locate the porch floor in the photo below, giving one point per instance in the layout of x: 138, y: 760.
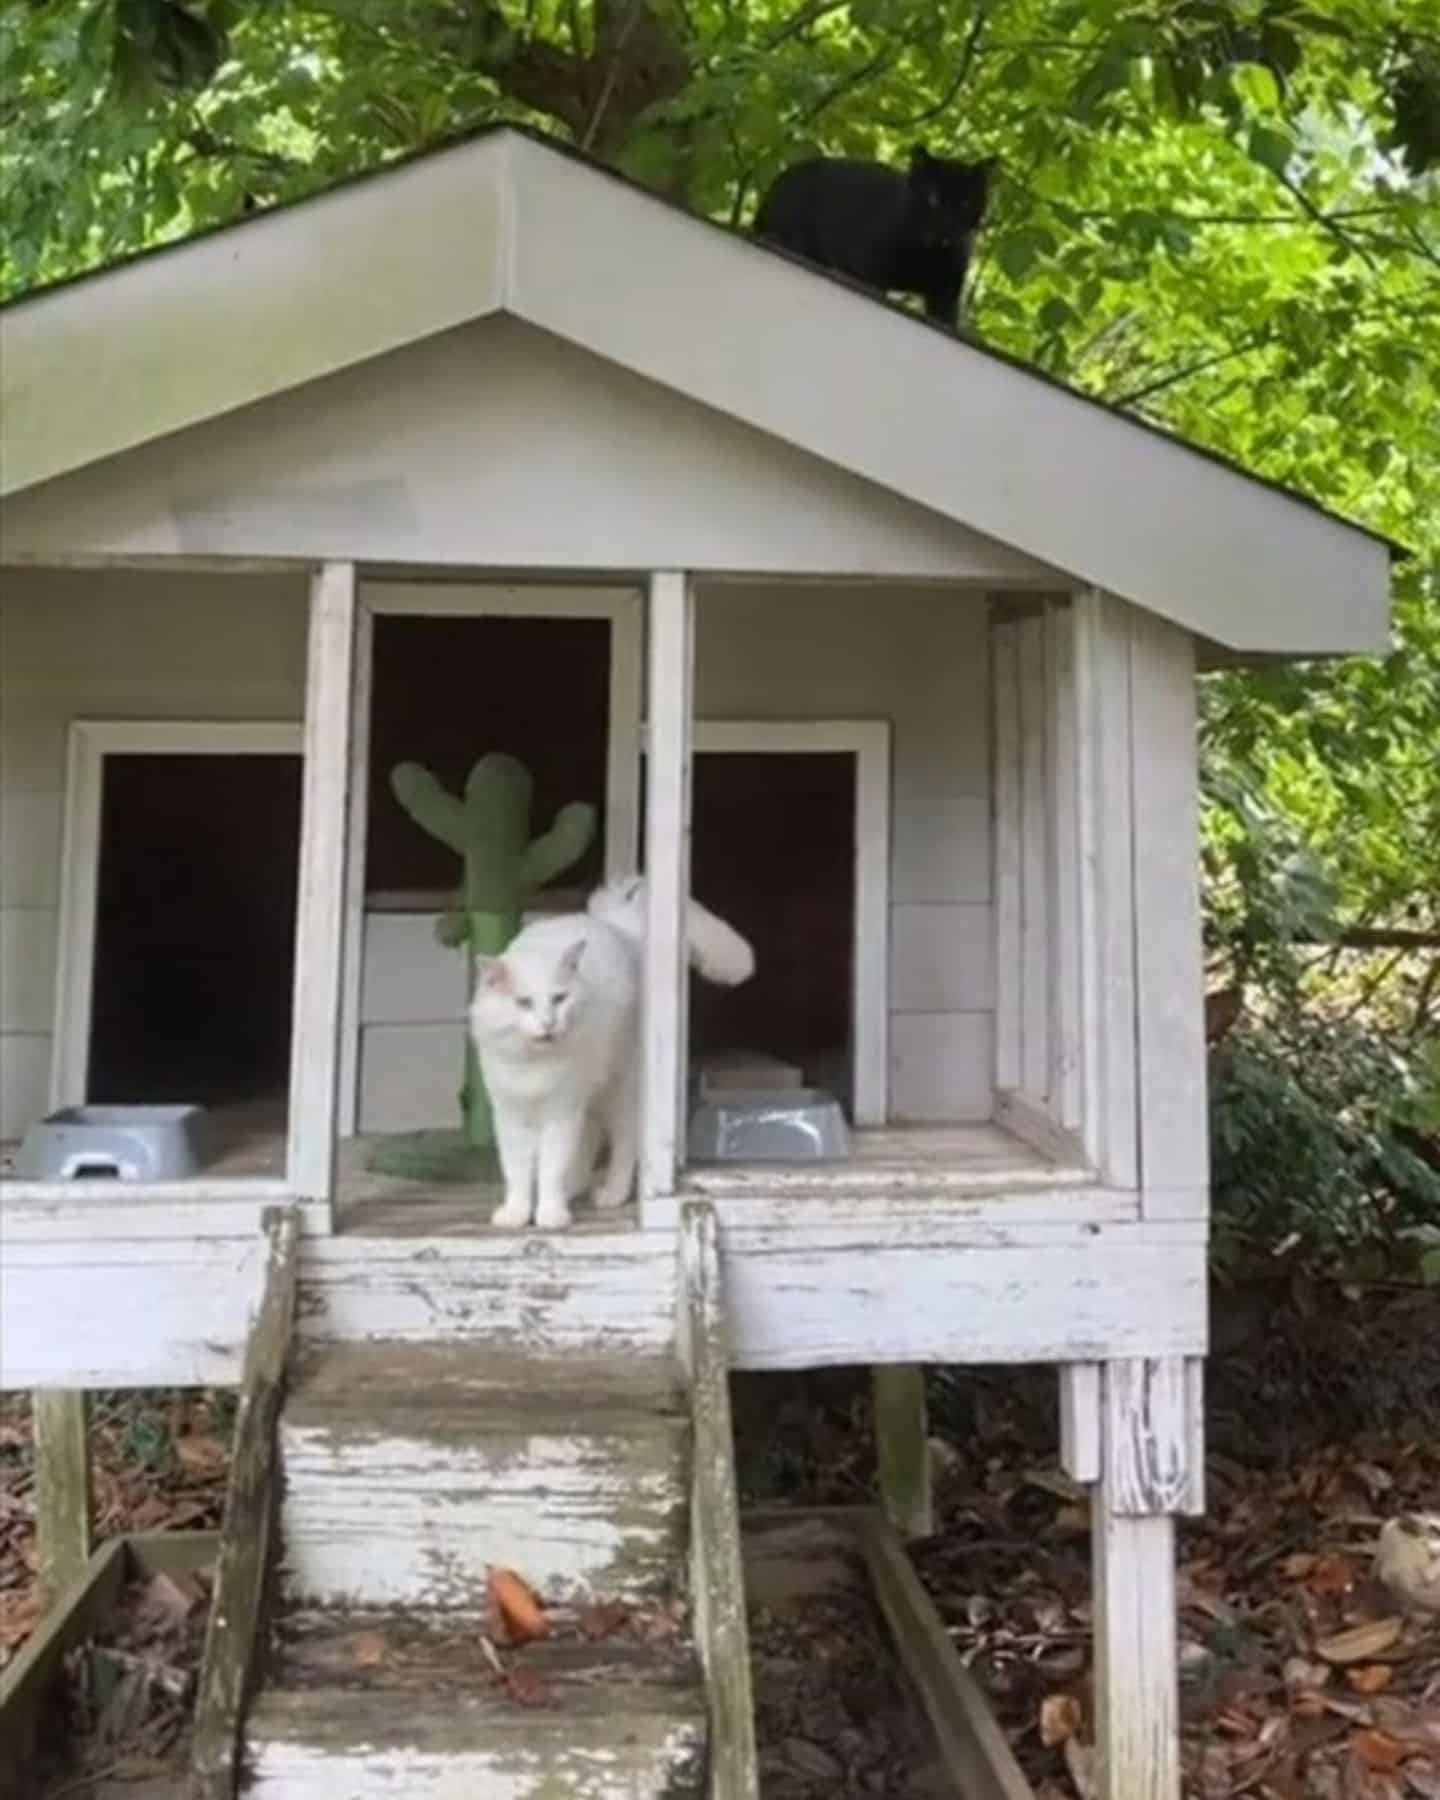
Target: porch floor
x: 892, y: 1162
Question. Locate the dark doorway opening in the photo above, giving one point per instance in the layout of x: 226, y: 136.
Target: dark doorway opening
x: 774, y: 853
x: 447, y: 690
x: 195, y: 928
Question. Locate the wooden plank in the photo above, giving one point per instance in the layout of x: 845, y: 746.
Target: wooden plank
x: 624, y: 730
x: 870, y: 1033
x: 1035, y: 959
x: 1109, y: 623
x: 1080, y: 1433
x: 1147, y: 1439
x: 63, y: 1500
x: 902, y: 1447
x: 1136, y: 1688
x: 1067, y: 1073
x: 667, y: 882
x: 718, y: 1582
x: 1169, y: 977
x: 1193, y: 1500
x: 320, y: 915
x: 26, y: 1683
x: 974, y: 1749
x: 166, y: 1312
x: 1081, y: 1303
x: 232, y: 1640
x: 1036, y: 1125
x: 357, y: 829
x: 1005, y: 649
x: 1088, y: 826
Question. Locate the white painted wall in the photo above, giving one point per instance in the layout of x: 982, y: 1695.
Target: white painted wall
x: 919, y: 658
x: 122, y: 646
x: 497, y: 446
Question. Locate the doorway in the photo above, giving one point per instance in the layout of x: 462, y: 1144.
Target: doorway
x: 178, y: 914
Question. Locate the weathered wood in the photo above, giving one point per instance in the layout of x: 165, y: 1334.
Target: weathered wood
x: 718, y: 1580
x: 1036, y: 959
x: 667, y: 881
x: 902, y: 1447
x: 27, y: 1682
x: 412, y: 1468
x: 232, y: 1638
x: 357, y: 827
x: 61, y: 1423
x: 1136, y: 1687
x: 1080, y: 1434
x: 1174, y: 1141
x: 1005, y: 711
x: 1103, y: 624
x: 320, y: 911
x: 971, y: 1743
x: 1146, y: 1435
x: 1193, y: 1500
x: 1067, y: 1072
x: 153, y: 1312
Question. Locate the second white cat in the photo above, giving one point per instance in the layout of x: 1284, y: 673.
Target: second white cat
x: 556, y: 1024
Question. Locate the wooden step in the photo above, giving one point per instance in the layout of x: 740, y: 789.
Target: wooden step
x: 411, y: 1468
x: 366, y: 1708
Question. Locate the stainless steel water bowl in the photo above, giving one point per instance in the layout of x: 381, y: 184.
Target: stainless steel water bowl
x: 781, y: 1125
x: 121, y: 1143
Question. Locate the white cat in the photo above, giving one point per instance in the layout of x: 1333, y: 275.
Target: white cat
x: 556, y: 1024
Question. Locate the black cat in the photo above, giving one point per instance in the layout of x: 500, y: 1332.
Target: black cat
x: 900, y: 233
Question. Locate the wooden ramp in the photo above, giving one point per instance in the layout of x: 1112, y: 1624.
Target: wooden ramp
x: 410, y: 1466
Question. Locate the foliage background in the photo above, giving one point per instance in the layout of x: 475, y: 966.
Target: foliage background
x: 1224, y: 214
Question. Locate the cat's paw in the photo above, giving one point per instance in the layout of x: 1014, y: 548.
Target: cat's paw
x: 552, y: 1217
x: 609, y: 1198
x: 514, y: 1215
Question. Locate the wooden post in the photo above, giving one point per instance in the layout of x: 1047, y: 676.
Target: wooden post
x: 320, y: 915
x: 61, y: 1424
x: 667, y: 883
x: 245, y: 1538
x: 1144, y: 1476
x: 718, y: 1581
x: 902, y: 1447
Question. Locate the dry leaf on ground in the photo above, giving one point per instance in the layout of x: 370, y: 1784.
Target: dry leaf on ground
x: 518, y: 1606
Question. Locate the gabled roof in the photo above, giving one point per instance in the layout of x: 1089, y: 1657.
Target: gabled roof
x: 505, y: 222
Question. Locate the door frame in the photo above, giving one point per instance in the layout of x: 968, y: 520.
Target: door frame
x: 622, y: 605
x: 868, y: 740
x: 90, y: 742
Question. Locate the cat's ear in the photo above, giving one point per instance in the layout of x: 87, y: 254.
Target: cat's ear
x: 570, y: 961
x: 491, y: 973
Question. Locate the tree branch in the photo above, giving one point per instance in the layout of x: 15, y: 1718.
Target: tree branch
x: 1136, y: 395
x: 962, y: 74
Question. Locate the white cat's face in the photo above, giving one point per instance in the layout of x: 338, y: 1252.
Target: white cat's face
x: 529, y: 997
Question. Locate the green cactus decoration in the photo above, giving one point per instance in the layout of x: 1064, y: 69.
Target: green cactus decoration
x: 488, y: 827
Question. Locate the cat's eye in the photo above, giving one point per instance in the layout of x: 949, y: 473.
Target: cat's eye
x: 557, y: 999
x: 524, y: 1003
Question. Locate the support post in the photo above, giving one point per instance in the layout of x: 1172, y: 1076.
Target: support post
x: 667, y: 882
x: 902, y: 1447
x: 320, y: 915
x: 61, y: 1421
x: 1143, y: 1479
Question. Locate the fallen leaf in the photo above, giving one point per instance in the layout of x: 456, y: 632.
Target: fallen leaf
x: 1361, y: 1642
x: 526, y: 1688
x: 1378, y: 1750
x: 602, y: 1619
x: 1370, y: 1678
x: 367, y: 1649
x: 1060, y: 1718
x: 1298, y: 1673
x: 1332, y: 1574
x: 201, y: 1455
x: 518, y: 1606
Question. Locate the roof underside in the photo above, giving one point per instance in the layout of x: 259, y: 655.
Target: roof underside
x: 506, y: 224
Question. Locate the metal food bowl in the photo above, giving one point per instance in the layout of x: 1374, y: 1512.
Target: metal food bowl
x: 781, y: 1125
x: 121, y: 1143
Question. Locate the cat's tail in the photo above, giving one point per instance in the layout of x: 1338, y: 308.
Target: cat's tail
x: 716, y: 950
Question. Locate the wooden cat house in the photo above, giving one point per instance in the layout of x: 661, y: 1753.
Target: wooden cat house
x: 887, y: 643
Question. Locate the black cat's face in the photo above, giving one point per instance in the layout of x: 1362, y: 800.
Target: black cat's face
x: 950, y: 196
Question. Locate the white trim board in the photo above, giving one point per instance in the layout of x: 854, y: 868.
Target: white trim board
x: 507, y: 223
x: 868, y: 740
x: 90, y: 742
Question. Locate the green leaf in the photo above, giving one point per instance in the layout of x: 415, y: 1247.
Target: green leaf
x: 1271, y: 148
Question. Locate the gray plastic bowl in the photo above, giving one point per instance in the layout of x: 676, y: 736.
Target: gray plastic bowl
x: 126, y: 1143
x: 784, y: 1125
